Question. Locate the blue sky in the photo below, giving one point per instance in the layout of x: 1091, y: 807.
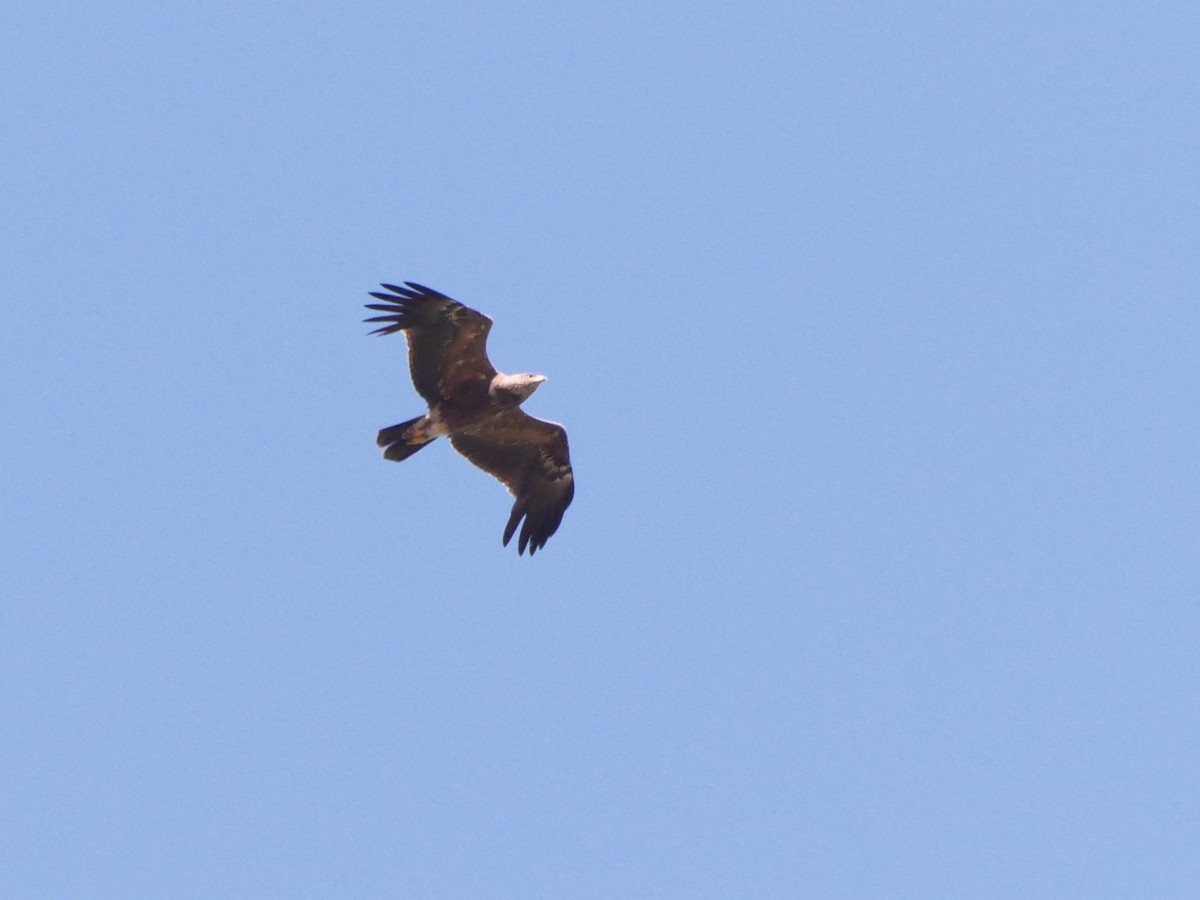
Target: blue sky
x: 874, y: 329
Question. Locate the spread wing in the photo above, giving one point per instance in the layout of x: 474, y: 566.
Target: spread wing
x: 446, y: 340
x: 531, y: 458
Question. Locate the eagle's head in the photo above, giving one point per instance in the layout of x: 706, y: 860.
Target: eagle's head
x: 518, y: 387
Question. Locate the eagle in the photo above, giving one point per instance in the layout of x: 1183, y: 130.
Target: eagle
x: 477, y: 408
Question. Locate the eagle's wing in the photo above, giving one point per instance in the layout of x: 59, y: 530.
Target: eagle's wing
x: 531, y: 458
x: 446, y: 340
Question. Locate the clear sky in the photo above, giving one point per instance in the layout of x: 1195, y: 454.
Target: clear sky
x: 874, y: 327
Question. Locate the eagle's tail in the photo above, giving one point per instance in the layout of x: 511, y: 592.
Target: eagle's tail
x: 403, y: 440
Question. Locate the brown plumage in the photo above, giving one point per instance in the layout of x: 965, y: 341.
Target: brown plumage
x: 477, y: 408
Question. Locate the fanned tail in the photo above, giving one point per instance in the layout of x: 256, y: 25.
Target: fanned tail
x: 403, y: 440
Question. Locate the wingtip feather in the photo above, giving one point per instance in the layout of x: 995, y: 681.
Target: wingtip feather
x: 514, y: 519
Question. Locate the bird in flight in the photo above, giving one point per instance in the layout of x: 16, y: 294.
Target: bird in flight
x: 477, y: 408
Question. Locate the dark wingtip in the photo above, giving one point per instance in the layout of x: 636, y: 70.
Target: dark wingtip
x: 420, y: 288
x: 514, y: 519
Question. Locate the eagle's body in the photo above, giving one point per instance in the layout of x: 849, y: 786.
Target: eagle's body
x: 477, y: 408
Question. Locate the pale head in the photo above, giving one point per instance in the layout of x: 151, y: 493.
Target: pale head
x: 518, y: 387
